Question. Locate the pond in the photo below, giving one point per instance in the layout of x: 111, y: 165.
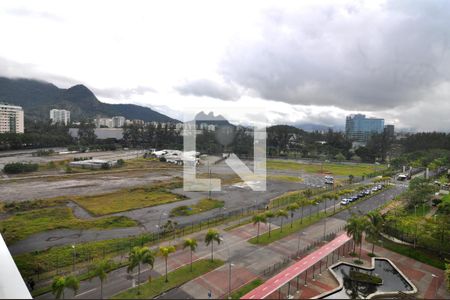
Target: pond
x: 392, y: 281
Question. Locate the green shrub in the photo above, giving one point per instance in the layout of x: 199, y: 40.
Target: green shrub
x: 17, y: 168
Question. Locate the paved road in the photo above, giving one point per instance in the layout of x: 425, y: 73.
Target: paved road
x: 249, y: 260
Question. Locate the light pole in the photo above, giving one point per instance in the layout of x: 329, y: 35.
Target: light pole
x: 437, y: 286
x: 298, y: 244
x: 229, y: 266
x: 229, y: 279
x: 159, y: 224
x: 73, y: 258
x: 209, y: 174
x: 324, y: 227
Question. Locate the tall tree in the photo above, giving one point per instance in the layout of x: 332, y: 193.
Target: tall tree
x: 138, y: 256
x: 61, y: 283
x: 165, y: 252
x: 282, y: 214
x: 100, y: 270
x: 292, y: 208
x: 212, y: 236
x: 257, y: 220
x: 192, y: 245
x: 269, y: 215
x: 355, y: 227
x: 374, y: 228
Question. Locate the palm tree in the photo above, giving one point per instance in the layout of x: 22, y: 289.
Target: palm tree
x: 292, y: 208
x: 192, y: 244
x: 212, y: 236
x: 100, y: 270
x: 165, y: 251
x: 282, y: 214
x: 269, y: 216
x: 138, y: 256
x: 375, y: 223
x: 61, y: 283
x: 355, y: 227
x: 258, y: 219
x: 308, y: 193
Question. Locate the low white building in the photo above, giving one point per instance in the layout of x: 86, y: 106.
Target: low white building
x: 94, y: 164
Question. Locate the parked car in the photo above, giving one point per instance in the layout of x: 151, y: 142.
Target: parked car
x: 345, y: 201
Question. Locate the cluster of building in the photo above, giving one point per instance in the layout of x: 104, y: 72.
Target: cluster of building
x: 11, y: 118
x: 359, y: 128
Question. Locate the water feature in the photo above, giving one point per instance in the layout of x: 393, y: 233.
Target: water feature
x: 393, y: 281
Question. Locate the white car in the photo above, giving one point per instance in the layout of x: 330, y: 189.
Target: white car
x: 345, y: 201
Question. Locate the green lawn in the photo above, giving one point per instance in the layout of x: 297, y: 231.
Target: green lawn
x: 128, y: 199
x: 24, y: 224
x: 176, y: 278
x: 333, y: 168
x: 246, y: 288
x: 201, y: 206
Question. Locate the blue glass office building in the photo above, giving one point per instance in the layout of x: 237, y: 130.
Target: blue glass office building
x: 359, y: 128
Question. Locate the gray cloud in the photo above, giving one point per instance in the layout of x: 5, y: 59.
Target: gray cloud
x: 205, y: 87
x: 346, y: 55
x: 13, y: 69
x: 119, y: 93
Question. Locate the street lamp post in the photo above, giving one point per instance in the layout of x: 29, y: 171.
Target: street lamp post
x: 73, y: 258
x: 229, y: 267
x: 229, y: 279
x: 298, y: 244
x: 436, y: 285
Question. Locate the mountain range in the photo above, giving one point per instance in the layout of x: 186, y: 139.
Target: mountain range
x: 37, y: 98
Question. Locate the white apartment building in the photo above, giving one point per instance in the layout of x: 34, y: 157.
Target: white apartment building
x: 61, y: 116
x: 104, y: 122
x: 11, y: 118
x: 118, y: 121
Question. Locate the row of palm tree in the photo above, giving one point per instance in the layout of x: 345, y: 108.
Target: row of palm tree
x: 137, y: 257
x: 369, y: 224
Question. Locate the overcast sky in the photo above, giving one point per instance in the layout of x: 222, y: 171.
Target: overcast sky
x: 293, y: 62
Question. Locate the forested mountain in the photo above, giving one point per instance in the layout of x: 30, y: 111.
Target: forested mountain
x: 38, y: 97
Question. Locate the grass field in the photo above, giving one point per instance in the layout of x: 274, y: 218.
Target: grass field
x: 201, y: 206
x: 333, y: 168
x: 177, y: 277
x: 24, y: 224
x: 128, y: 199
x: 246, y: 288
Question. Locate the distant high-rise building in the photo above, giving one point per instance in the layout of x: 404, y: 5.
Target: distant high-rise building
x: 389, y: 130
x: 118, y: 121
x: 359, y: 128
x: 11, y: 118
x: 61, y: 116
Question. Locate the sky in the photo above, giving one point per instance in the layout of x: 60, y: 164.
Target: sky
x: 290, y: 62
